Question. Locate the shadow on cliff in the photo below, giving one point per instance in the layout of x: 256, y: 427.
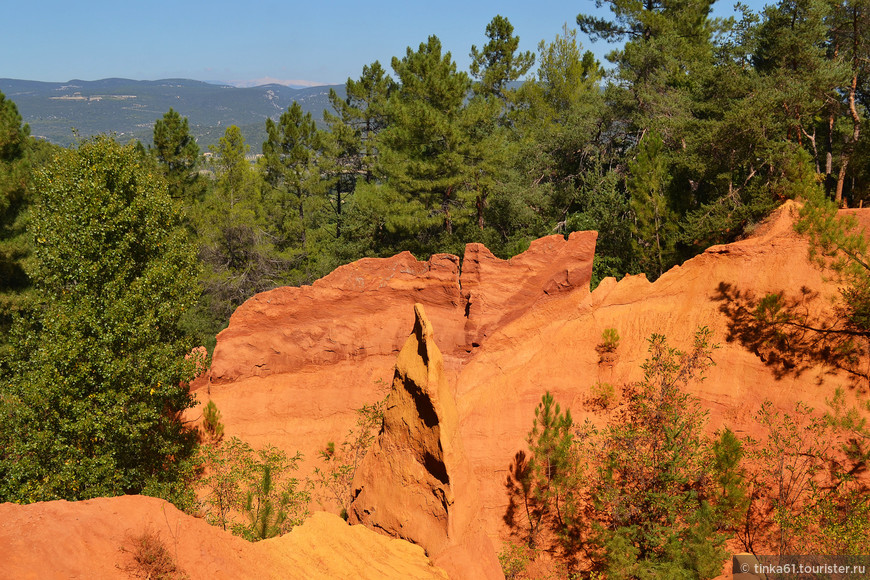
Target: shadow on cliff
x: 788, y: 333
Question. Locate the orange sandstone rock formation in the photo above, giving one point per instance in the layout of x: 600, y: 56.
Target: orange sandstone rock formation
x: 365, y: 308
x: 98, y: 539
x: 416, y: 483
x: 295, y: 362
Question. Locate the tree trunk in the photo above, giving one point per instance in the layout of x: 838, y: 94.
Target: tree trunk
x: 846, y: 156
x: 829, y: 157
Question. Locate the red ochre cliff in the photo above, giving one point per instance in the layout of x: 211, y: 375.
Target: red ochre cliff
x: 295, y: 362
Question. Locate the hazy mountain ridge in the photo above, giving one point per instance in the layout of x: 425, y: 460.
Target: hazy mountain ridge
x: 129, y: 107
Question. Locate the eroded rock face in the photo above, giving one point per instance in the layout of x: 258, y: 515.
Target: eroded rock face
x: 499, y: 291
x: 364, y: 309
x: 536, y: 326
x: 416, y: 482
x: 295, y: 363
x: 98, y: 539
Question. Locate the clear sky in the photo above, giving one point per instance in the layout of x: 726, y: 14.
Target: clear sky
x: 321, y: 42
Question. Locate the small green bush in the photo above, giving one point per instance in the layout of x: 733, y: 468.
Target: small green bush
x: 340, y: 462
x: 609, y: 340
x: 514, y: 559
x: 602, y: 395
x: 211, y: 423
x: 252, y: 492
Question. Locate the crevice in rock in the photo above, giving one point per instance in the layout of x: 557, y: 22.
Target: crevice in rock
x: 436, y: 467
x: 424, y: 406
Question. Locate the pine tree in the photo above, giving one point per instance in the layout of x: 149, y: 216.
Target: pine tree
x: 353, y: 130
x: 292, y: 160
x: 552, y: 477
x: 424, y: 152
x: 177, y: 152
x: 14, y: 199
x: 850, y: 40
x: 360, y: 118
x: 498, y: 64
x: 655, y: 222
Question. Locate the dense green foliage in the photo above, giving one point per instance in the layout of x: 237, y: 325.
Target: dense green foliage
x: 648, y: 496
x: 700, y: 128
x: 657, y: 475
x: 251, y: 492
x: 14, y: 176
x: 98, y: 373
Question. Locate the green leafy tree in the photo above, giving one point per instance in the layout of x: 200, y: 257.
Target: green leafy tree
x: 809, y: 496
x: 232, y: 231
x: 234, y: 172
x: 91, y: 407
x: 650, y: 495
x: 546, y: 488
x: 177, y: 153
x: 662, y: 493
x: 353, y: 130
x: 559, y: 179
x: 797, y: 72
x: 667, y: 44
x: 212, y: 426
x: 687, y: 77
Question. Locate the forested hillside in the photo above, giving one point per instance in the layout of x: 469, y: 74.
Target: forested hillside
x: 117, y: 258
x: 62, y: 112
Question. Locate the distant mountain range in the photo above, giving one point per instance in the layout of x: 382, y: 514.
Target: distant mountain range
x: 129, y: 108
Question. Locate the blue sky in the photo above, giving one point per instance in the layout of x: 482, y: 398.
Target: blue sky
x: 321, y: 42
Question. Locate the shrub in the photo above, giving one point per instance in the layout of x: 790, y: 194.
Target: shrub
x: 211, y: 423
x: 335, y: 478
x: 101, y: 365
x: 514, y: 559
x: 810, y: 494
x: 648, y: 496
x: 151, y: 558
x: 609, y: 340
x: 602, y: 395
x: 251, y: 492
x: 607, y: 347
